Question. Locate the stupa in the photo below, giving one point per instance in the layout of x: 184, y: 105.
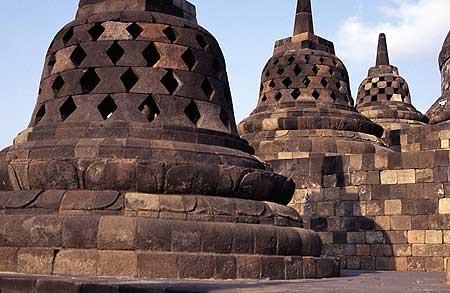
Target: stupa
x: 305, y: 104
x: 440, y: 111
x: 384, y: 96
x: 132, y: 165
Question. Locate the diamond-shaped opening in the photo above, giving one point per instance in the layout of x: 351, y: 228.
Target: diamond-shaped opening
x: 324, y: 83
x: 67, y: 36
x: 40, y: 114
x: 264, y: 98
x: 374, y: 98
x: 331, y: 71
x: 67, y: 108
x: 280, y: 71
x: 315, y: 69
x: 278, y: 96
x: 149, y: 109
x: 315, y: 94
x: 169, y: 81
x: 58, y: 84
x: 129, y: 79
x: 107, y: 107
x: 272, y: 84
x: 367, y: 93
x: 96, y: 31
x: 297, y: 70
x: 338, y: 85
x: 306, y: 81
x: 201, y: 41
x: 261, y: 87
x: 189, y: 59
x: 333, y: 96
x: 151, y: 54
x: 382, y: 78
x: 224, y: 118
x: 207, y: 88
x: 295, y: 94
x: 267, y: 73
x: 335, y: 62
x: 389, y: 84
x: 77, y: 56
x: 291, y: 59
x: 115, y: 52
x: 321, y: 60
x: 276, y: 61
x: 192, y: 112
x: 51, y: 63
x: 382, y: 91
x: 170, y: 34
x: 89, y: 81
x: 287, y: 82
x: 135, y: 30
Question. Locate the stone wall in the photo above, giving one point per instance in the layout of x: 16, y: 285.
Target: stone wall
x: 377, y: 211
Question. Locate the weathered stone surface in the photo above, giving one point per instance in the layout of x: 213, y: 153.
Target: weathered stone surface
x: 76, y: 263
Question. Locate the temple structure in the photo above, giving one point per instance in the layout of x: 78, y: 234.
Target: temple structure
x: 132, y: 165
x: 384, y: 96
x: 374, y: 185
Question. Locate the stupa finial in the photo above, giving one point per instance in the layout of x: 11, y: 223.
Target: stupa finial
x: 382, y: 52
x: 303, y: 18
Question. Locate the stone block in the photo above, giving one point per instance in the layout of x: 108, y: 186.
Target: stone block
x: 433, y: 237
x: 389, y: 177
x: 157, y: 266
x: 401, y: 223
x: 444, y: 206
x: 8, y: 259
x: 153, y: 234
x: 80, y: 232
x: 294, y: 268
x: 116, y: 233
x: 416, y: 264
x: 248, y: 267
x: 383, y: 223
x: 356, y: 237
x: 393, y: 207
x: 434, y: 264
x: 273, y: 268
x: 424, y: 175
x: 117, y: 264
x: 400, y: 264
x: 363, y: 250
x: 309, y: 267
x: 447, y: 279
x: 76, y: 263
x: 196, y: 266
x: 421, y: 250
x: 446, y: 237
x: 416, y: 237
x: 402, y: 250
x: 396, y: 237
x: 46, y: 232
x: 225, y: 267
x: 406, y: 176
x: 35, y: 261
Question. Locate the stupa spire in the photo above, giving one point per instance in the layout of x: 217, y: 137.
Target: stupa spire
x: 303, y: 18
x: 382, y: 52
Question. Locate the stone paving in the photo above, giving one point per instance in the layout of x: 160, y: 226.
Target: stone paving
x: 351, y: 281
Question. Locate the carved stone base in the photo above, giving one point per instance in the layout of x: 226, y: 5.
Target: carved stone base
x: 110, y: 234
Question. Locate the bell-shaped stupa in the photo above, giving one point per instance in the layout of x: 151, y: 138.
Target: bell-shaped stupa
x: 132, y: 166
x: 440, y: 111
x: 384, y: 96
x: 305, y: 104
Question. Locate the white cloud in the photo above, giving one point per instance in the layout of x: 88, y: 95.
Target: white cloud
x: 413, y: 27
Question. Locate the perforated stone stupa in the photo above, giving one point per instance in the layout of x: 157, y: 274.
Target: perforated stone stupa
x: 384, y: 96
x: 305, y: 104
x: 132, y: 165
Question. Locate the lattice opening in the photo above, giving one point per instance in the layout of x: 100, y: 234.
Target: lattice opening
x: 189, y: 59
x: 287, y: 82
x: 272, y: 84
x: 324, y: 83
x: 170, y: 34
x: 280, y: 71
x: 192, y: 112
x: 149, y: 109
x: 295, y: 94
x: 331, y: 71
x: 316, y: 94
x: 151, y: 55
x: 40, y: 114
x: 67, y: 36
x: 224, y: 118
x: 267, y: 73
x: 338, y: 85
x: 297, y: 70
x: 67, y: 108
x: 374, y: 98
x: 115, y: 52
x: 315, y: 69
x: 107, y: 107
x: 51, y: 63
x: 96, y: 31
x: 135, y: 30
x: 264, y: 98
x: 169, y: 81
x: 201, y: 41
x: 321, y: 60
x: 333, y: 96
x: 278, y: 96
x: 382, y: 91
x: 276, y: 61
x: 306, y: 81
x: 129, y: 79
x: 89, y: 81
x: 207, y: 88
x: 78, y: 55
x: 58, y: 84
x: 291, y: 59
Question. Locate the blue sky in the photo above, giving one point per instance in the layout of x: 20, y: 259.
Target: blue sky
x: 246, y: 31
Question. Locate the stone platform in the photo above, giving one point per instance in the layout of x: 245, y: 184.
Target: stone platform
x: 351, y: 281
